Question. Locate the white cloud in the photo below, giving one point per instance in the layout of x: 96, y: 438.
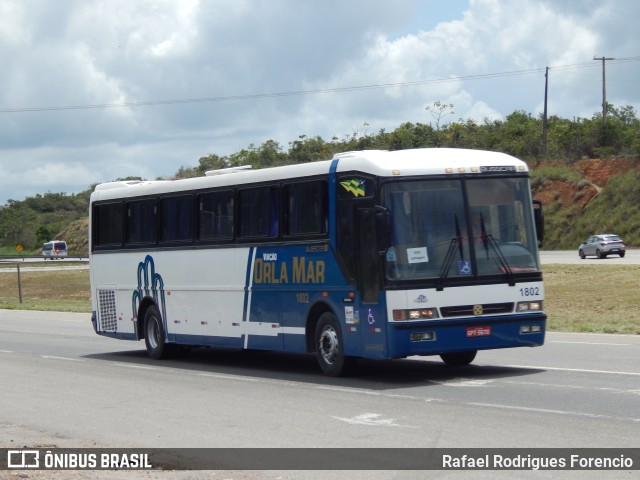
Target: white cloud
x: 118, y: 51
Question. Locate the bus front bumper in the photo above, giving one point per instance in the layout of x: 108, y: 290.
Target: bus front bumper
x: 465, y: 334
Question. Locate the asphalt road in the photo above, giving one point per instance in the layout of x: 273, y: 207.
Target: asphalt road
x: 64, y: 386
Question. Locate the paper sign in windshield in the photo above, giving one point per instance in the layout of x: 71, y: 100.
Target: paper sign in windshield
x: 417, y: 255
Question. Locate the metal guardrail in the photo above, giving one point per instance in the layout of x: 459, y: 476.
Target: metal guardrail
x: 35, y: 258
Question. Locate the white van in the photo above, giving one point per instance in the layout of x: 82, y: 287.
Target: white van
x: 54, y: 249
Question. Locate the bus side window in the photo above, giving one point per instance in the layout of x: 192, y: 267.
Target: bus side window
x: 215, y: 216
x: 306, y: 208
x: 259, y: 212
x: 108, y: 225
x: 176, y: 219
x: 141, y: 221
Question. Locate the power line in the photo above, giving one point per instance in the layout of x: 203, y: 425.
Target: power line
x: 590, y: 64
x: 263, y: 95
x: 300, y: 92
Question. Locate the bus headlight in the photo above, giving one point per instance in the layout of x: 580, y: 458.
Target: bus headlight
x: 415, y: 314
x: 535, y: 306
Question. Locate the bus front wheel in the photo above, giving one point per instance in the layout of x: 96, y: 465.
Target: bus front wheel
x: 458, y: 359
x: 154, y: 339
x: 330, y: 347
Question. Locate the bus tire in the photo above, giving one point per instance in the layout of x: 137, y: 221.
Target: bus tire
x: 330, y: 347
x: 154, y: 339
x: 458, y: 359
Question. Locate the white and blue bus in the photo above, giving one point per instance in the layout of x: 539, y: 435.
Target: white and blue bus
x: 372, y: 254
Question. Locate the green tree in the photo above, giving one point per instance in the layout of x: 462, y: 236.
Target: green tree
x: 309, y: 150
x: 43, y: 234
x: 522, y: 135
x: 270, y: 154
x: 462, y: 134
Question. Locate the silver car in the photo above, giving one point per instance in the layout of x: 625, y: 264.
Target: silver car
x: 602, y: 245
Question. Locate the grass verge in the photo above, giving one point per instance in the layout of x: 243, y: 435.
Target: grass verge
x: 578, y: 298
x: 593, y: 298
x: 46, y: 289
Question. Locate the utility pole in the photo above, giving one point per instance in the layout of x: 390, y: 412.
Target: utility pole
x: 544, y: 115
x: 604, y: 89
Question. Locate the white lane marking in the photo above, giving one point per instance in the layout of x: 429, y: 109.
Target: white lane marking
x: 373, y: 419
x: 462, y: 382
x: 53, y: 357
x: 573, y: 387
x: 591, y: 334
x: 227, y: 377
x: 548, y: 410
x: 596, y: 343
x: 131, y: 365
x: 6, y: 351
x: 580, y: 370
x: 358, y: 391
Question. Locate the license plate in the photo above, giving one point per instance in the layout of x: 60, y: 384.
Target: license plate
x: 478, y: 331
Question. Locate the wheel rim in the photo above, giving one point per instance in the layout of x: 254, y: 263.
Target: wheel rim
x: 153, y: 334
x: 328, y: 345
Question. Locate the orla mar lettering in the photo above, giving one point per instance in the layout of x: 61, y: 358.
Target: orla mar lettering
x: 300, y: 270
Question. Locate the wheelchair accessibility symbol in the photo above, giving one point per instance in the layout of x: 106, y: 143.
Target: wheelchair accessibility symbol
x: 464, y: 267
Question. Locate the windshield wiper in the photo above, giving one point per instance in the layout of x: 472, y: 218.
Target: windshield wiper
x: 448, y: 258
x: 499, y: 258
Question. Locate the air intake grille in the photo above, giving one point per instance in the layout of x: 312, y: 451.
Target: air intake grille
x: 472, y: 310
x: 107, y: 305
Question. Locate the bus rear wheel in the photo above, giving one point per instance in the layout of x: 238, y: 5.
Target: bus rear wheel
x: 458, y: 359
x: 330, y: 347
x: 154, y: 338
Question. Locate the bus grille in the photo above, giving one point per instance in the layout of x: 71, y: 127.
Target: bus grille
x: 471, y: 310
x: 108, y: 317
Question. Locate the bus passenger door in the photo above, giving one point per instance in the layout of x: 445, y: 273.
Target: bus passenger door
x: 372, y: 301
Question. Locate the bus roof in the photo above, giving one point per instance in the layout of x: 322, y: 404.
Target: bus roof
x: 426, y: 161
x: 398, y: 163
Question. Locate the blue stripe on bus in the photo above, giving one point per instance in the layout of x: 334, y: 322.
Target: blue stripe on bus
x: 248, y: 292
x: 332, y: 201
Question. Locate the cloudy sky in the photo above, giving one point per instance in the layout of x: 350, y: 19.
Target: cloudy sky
x: 96, y: 90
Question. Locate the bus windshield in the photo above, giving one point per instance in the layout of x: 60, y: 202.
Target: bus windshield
x: 447, y: 228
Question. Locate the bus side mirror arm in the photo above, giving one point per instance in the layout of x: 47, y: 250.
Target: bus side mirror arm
x: 538, y: 218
